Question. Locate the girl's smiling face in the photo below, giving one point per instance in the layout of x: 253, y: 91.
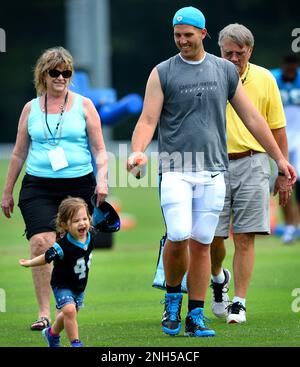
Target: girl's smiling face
x: 79, y: 225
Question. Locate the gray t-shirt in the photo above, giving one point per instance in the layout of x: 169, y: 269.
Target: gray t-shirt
x: 192, y: 125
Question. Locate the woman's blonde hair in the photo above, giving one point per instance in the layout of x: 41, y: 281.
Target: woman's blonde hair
x: 67, y: 210
x: 50, y: 59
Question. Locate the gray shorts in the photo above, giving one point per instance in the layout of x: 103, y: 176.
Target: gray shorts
x: 247, y: 197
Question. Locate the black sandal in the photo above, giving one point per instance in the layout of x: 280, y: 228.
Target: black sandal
x: 40, y: 324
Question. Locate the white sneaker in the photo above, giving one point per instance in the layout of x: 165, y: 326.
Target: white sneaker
x: 220, y: 299
x: 236, y: 313
x: 288, y: 234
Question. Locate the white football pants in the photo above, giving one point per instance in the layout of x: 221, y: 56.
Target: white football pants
x: 191, y: 204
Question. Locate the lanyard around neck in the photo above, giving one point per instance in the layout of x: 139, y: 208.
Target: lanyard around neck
x: 63, y: 107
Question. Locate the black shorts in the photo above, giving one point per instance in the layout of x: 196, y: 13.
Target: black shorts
x: 40, y: 198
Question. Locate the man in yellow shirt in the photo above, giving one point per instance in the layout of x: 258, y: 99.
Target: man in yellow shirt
x: 247, y: 178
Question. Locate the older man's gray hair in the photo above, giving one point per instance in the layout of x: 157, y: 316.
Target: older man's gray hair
x: 238, y: 34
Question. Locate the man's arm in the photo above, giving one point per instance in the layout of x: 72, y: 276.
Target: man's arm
x: 259, y: 128
x: 146, y: 125
x: 280, y: 185
x: 147, y: 122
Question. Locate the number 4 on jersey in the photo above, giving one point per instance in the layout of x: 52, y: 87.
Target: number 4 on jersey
x: 80, y: 267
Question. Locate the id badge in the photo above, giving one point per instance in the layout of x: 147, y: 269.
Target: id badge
x: 57, y: 158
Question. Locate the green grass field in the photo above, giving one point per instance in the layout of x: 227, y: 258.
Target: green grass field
x: 123, y: 310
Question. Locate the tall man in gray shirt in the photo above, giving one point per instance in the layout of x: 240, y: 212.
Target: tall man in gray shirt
x: 187, y: 95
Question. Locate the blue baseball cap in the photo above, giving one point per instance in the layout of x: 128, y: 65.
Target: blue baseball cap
x: 191, y: 16
x: 105, y: 218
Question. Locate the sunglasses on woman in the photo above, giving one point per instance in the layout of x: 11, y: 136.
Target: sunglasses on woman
x: 54, y: 73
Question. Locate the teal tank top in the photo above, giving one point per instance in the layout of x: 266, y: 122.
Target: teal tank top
x: 74, y: 141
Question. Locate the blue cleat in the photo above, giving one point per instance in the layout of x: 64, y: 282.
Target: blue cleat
x: 195, y: 326
x: 171, y: 321
x: 52, y: 341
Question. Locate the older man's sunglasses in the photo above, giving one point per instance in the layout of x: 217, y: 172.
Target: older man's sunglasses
x: 54, y: 73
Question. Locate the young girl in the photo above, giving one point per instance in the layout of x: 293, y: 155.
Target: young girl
x: 71, y: 255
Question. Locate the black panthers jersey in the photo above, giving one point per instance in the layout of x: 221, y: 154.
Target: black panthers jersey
x: 72, y: 261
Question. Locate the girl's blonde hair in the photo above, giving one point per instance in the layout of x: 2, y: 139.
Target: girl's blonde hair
x: 67, y: 210
x: 50, y: 59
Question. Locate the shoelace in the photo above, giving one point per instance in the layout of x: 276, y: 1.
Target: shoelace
x: 218, y: 290
x: 172, y: 307
x: 200, y: 320
x: 235, y: 308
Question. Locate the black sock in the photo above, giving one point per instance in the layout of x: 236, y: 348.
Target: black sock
x: 176, y: 289
x: 195, y: 304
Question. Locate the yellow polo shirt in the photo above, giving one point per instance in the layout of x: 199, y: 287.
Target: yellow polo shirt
x: 261, y: 88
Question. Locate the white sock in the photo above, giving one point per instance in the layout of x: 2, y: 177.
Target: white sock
x: 219, y: 278
x: 239, y: 299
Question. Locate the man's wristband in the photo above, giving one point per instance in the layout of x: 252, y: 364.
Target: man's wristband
x: 281, y: 173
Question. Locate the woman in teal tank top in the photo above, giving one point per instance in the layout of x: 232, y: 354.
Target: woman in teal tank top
x: 55, y: 132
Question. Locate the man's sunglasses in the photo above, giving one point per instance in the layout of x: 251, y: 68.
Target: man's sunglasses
x: 54, y: 73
